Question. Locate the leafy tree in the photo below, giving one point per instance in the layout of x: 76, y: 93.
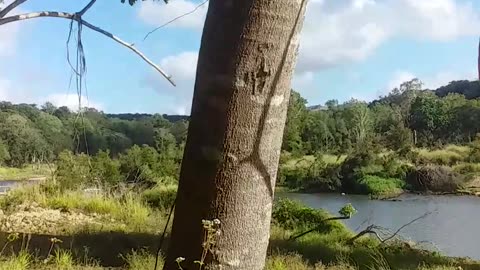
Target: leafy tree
x: 296, y: 117
x: 4, y: 154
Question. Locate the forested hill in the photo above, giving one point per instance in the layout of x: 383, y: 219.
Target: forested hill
x: 139, y: 116
x: 407, y: 115
x: 31, y: 133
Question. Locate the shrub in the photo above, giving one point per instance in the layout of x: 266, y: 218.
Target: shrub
x: 376, y: 185
x: 105, y: 169
x: 293, y: 215
x: 73, y: 170
x: 160, y: 196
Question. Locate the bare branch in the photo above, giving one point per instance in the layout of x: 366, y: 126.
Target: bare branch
x: 64, y: 15
x: 174, y: 19
x: 371, y: 230
x: 86, y: 8
x: 10, y: 7
x: 409, y: 223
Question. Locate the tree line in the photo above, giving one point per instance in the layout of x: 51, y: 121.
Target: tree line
x: 408, y: 116
x: 30, y: 134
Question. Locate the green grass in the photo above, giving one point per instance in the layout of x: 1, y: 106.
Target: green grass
x: 327, y: 248
x: 25, y: 173
x: 378, y: 186
x: 450, y: 155
x: 129, y: 212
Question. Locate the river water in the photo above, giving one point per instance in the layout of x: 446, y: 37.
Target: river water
x: 453, y: 228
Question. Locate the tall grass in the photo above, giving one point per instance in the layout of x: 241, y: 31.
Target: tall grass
x: 27, y: 172
x: 450, y: 155
x: 128, y: 211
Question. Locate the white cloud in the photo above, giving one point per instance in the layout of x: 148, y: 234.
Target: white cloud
x: 337, y: 32
x: 182, y: 67
x: 432, y: 81
x: 17, y: 94
x: 398, y: 78
x: 156, y: 13
x: 70, y: 100
x: 9, y: 34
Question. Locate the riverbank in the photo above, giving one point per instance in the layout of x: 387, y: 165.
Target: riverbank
x: 29, y: 172
x: 384, y: 175
x: 122, y: 230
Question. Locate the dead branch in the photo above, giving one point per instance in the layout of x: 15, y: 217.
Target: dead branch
x: 371, y: 229
x: 174, y: 19
x: 77, y: 17
x: 86, y: 8
x: 318, y: 227
x: 10, y: 7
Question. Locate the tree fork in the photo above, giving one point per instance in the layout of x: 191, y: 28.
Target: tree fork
x: 246, y: 61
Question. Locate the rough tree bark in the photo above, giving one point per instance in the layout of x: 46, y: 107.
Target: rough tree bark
x: 247, y: 57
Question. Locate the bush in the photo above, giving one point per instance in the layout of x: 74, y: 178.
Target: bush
x: 72, y: 170
x: 376, y: 185
x: 293, y: 215
x: 434, y: 178
x: 318, y: 176
x: 105, y: 169
x: 160, y: 196
x: 144, y: 165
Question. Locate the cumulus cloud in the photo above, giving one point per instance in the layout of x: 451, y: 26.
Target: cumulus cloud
x: 432, y: 81
x: 337, y: 32
x: 71, y: 101
x: 9, y: 34
x: 182, y: 67
x: 18, y: 94
x: 156, y: 13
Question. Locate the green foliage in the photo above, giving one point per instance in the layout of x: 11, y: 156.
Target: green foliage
x: 375, y: 185
x: 144, y: 165
x: 73, y: 171
x: 292, y: 215
x: 4, y: 154
x: 105, y: 169
x: 161, y: 196
x: 347, y: 211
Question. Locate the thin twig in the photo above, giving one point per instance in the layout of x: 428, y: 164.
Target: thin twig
x: 371, y: 230
x: 10, y: 7
x: 70, y: 16
x: 409, y: 223
x: 174, y: 19
x: 86, y: 8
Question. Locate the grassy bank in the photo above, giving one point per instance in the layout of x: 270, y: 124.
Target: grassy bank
x: 452, y: 169
x: 74, y: 230
x: 25, y: 173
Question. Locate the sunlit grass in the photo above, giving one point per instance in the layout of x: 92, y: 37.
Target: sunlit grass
x: 25, y: 173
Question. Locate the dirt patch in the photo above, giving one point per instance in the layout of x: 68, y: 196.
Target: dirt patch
x: 31, y: 218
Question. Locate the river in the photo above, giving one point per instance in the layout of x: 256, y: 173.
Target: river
x: 453, y: 228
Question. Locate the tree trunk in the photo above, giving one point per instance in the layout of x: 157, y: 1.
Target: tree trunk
x: 242, y: 88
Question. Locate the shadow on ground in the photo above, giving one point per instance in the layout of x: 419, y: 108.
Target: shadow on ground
x: 106, y: 248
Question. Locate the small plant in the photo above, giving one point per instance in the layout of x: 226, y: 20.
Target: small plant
x: 211, y: 230
x: 10, y: 238
x: 348, y: 210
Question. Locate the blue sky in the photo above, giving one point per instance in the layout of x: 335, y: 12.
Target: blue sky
x: 349, y: 48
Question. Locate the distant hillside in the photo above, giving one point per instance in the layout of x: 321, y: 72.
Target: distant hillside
x: 317, y: 108
x: 470, y: 89
x: 137, y: 116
